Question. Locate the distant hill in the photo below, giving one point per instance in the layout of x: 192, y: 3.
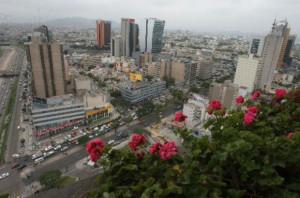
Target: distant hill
x: 74, y: 22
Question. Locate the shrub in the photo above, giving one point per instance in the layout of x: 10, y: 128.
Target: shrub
x: 257, y: 159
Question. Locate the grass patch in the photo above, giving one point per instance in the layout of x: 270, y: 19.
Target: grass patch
x: 66, y: 181
x: 7, y: 119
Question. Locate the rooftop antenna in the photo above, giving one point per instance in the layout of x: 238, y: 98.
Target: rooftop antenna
x: 274, y: 23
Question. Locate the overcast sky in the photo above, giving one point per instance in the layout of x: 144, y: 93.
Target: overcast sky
x: 200, y: 15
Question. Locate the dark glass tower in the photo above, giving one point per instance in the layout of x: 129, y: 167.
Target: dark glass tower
x: 157, y: 36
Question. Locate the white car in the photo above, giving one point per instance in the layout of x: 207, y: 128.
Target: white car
x: 110, y: 142
x: 16, y: 155
x: 48, y: 148
x: 58, y: 147
x: 75, y: 127
x: 4, y: 175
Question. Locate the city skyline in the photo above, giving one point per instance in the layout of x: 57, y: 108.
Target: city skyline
x: 203, y: 16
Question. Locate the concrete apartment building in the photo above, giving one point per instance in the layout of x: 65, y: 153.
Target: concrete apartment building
x: 116, y: 46
x: 48, y: 68
x: 246, y: 70
x: 103, y: 33
x: 195, y: 110
x: 226, y: 93
x: 204, y: 69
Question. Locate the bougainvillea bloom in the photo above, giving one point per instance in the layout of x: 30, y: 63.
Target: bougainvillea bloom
x: 249, y: 118
x: 95, y: 149
x: 180, y: 117
x: 215, y: 105
x: 239, y: 100
x: 255, y: 95
x: 140, y: 154
x: 280, y: 93
x: 168, y: 150
x: 136, y: 140
x: 154, y: 148
x: 252, y: 109
x: 290, y: 135
x: 209, y: 111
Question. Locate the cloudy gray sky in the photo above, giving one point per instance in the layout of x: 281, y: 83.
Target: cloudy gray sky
x: 201, y: 15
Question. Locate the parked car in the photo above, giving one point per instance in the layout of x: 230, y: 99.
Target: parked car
x: 58, y: 147
x: 21, y: 167
x: 39, y: 160
x: 64, y: 148
x: 4, y: 175
x: 110, y: 142
x: 16, y: 155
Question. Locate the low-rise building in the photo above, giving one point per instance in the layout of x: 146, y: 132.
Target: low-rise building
x: 56, y: 114
x: 135, y: 92
x: 195, y: 110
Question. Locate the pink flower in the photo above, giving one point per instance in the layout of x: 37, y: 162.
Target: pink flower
x: 255, y: 95
x: 136, y: 140
x: 290, y: 135
x: 215, y: 105
x: 249, y: 118
x: 253, y: 110
x: 154, y: 148
x: 132, y: 145
x: 280, y: 93
x: 140, y: 154
x: 168, y: 150
x: 95, y: 148
x: 239, y: 100
x: 209, y: 111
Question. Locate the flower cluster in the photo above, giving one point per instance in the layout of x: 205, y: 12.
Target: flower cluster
x: 255, y: 95
x: 250, y: 115
x: 136, y: 140
x: 95, y: 149
x: 239, y: 100
x: 214, y: 105
x: 154, y: 148
x: 279, y: 94
x: 168, y: 150
x: 165, y: 151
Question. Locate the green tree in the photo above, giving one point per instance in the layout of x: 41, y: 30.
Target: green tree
x: 169, y: 81
x: 50, y: 179
x: 115, y: 93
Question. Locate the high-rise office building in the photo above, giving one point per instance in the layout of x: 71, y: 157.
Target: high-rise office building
x: 254, y: 46
x: 157, y: 37
x: 151, y: 39
x: 103, y: 33
x: 285, y: 34
x: 245, y: 73
x: 116, y: 46
x: 287, y: 54
x: 48, y: 69
x: 130, y: 37
x: 270, y: 55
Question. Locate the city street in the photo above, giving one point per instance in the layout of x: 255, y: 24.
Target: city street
x: 66, y: 163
